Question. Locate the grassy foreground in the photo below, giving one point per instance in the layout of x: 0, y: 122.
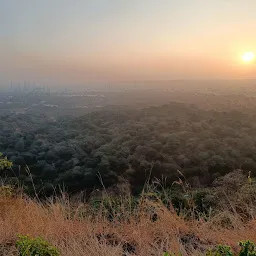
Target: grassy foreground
x: 151, y: 228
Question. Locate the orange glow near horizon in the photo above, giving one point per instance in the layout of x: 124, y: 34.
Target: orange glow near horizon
x: 76, y: 43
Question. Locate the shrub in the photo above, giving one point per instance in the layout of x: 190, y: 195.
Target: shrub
x: 6, y: 191
x: 248, y: 248
x: 220, y: 251
x: 4, y: 162
x: 35, y: 247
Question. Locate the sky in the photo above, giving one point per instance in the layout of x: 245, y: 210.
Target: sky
x: 84, y: 41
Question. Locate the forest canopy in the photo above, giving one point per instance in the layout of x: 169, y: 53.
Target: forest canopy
x: 114, y: 146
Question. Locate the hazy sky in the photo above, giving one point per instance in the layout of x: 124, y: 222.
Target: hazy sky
x: 78, y: 41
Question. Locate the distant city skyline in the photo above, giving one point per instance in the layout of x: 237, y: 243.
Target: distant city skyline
x: 64, y: 42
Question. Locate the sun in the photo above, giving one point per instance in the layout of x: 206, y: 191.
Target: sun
x: 248, y: 56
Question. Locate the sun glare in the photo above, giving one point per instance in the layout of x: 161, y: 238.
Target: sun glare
x: 248, y: 57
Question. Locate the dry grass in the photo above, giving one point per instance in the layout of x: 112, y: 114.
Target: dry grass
x: 62, y: 225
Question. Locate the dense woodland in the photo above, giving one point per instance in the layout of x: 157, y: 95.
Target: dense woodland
x: 116, y: 146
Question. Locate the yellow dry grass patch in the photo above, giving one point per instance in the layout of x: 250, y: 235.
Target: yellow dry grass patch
x: 137, y: 234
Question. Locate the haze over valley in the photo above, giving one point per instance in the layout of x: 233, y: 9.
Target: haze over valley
x: 127, y: 127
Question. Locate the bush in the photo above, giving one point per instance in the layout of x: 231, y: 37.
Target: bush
x: 220, y: 251
x: 248, y: 248
x: 4, y: 163
x: 6, y: 191
x: 35, y: 247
